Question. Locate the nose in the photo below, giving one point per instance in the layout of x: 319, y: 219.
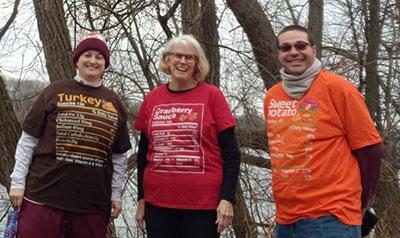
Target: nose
x: 92, y: 59
x: 293, y: 51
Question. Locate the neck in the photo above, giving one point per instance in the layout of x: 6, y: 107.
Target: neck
x: 179, y: 86
x: 297, y: 85
x: 93, y: 83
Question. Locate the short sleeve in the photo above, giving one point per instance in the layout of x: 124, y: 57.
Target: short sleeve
x: 359, y: 127
x: 35, y: 121
x: 122, y: 144
x: 222, y: 113
x: 140, y: 123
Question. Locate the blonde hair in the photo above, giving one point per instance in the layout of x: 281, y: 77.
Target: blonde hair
x: 202, y: 65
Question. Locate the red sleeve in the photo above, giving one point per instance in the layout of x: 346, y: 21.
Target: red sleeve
x: 222, y: 113
x: 142, y: 117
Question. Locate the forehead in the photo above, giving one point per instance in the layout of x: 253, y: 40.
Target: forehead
x: 292, y: 36
x: 184, y: 48
x: 94, y: 52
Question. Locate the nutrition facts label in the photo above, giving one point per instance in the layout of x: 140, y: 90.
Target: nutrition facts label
x: 86, y: 128
x: 177, y: 138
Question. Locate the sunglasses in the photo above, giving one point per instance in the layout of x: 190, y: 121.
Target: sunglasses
x: 299, y: 45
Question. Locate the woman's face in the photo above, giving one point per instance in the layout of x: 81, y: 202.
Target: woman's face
x: 182, y: 63
x: 91, y: 65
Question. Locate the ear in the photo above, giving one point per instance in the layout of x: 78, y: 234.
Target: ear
x: 314, y: 49
x: 166, y: 58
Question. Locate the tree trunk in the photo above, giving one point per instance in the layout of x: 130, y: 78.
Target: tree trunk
x: 315, y: 22
x: 243, y: 224
x: 54, y: 34
x: 372, y: 31
x: 10, y: 132
x: 199, y: 19
x: 190, y: 11
x: 388, y: 194
x: 258, y: 29
x: 209, y: 37
x: 9, y: 127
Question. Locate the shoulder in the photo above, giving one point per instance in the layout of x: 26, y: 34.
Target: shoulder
x: 109, y: 92
x: 61, y: 84
x: 57, y: 87
x: 276, y: 89
x: 338, y: 87
x: 209, y: 89
x: 209, y: 86
x: 334, y: 80
x: 157, y: 91
x: 336, y: 83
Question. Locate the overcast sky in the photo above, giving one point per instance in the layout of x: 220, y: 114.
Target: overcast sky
x: 18, y: 53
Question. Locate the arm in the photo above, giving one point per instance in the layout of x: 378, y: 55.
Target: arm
x: 117, y: 183
x: 231, y: 167
x: 23, y: 158
x: 141, y: 165
x: 231, y: 163
x: 369, y: 159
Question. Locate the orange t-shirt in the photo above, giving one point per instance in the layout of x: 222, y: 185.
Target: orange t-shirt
x: 314, y: 172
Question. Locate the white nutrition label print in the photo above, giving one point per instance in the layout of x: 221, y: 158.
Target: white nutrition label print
x: 177, y: 138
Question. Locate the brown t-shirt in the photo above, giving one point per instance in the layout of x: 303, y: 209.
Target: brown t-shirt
x: 79, y: 128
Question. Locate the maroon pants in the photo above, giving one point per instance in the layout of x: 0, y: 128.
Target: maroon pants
x: 39, y: 221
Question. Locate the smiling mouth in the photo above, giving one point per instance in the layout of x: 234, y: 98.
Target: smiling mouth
x: 295, y: 60
x: 181, y: 70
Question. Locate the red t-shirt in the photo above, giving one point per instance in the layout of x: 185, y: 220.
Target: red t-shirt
x: 314, y: 172
x: 184, y: 167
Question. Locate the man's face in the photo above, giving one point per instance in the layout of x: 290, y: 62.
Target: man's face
x: 295, y: 52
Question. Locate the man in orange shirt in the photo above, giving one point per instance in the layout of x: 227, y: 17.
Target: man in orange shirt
x: 325, y: 150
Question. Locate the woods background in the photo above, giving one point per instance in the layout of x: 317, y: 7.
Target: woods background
x: 358, y: 39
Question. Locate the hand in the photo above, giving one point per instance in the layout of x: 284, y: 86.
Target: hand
x: 16, y: 196
x: 116, y: 208
x: 224, y: 215
x: 363, y: 210
x: 140, y: 215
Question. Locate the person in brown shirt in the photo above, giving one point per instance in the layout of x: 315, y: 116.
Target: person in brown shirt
x: 71, y: 157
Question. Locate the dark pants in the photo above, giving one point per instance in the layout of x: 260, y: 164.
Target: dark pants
x: 39, y: 221
x: 323, y: 227
x: 180, y: 223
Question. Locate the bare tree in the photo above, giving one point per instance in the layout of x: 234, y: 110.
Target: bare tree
x: 14, y: 13
x: 10, y: 131
x: 261, y: 36
x: 386, y: 206
x: 56, y: 42
x: 244, y: 54
x: 9, y: 126
x: 199, y: 19
x: 316, y: 22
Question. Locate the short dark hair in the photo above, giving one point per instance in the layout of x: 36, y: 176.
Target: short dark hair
x: 296, y: 28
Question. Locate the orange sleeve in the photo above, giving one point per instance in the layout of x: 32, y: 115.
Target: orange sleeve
x: 359, y: 127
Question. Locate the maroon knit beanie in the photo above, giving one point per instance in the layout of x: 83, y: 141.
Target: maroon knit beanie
x: 93, y: 41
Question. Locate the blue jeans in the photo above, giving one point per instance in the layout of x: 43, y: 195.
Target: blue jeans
x: 323, y: 227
